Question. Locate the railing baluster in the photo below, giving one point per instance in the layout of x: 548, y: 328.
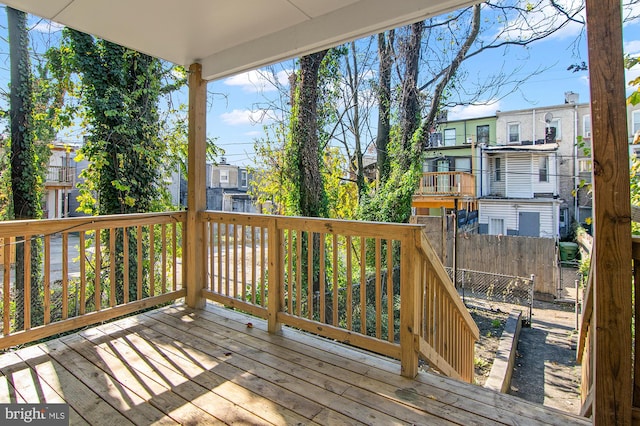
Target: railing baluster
x: 243, y: 261
x: 299, y: 272
x: 349, y: 289
x: 65, y: 276
x: 152, y: 260
x: 125, y: 269
x: 139, y: 263
x: 6, y: 294
x: 289, y: 281
x: 335, y: 280
x: 378, y: 287
x: 46, y: 287
x: 363, y: 285
x: 310, y: 274
x: 323, y: 301
x: 27, y: 282
x: 112, y: 267
x: 254, y: 263
x: 163, y: 232
x: 390, y: 316
x: 98, y: 269
x: 82, y: 251
x: 263, y: 282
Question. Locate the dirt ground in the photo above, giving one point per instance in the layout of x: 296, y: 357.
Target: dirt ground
x: 545, y: 371
x: 491, y: 324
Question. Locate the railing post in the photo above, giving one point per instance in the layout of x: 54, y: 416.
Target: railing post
x: 193, y: 261
x: 275, y: 285
x: 409, y: 305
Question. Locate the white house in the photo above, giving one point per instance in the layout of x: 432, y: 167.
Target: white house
x: 520, y: 187
x: 567, y: 125
x: 59, y: 180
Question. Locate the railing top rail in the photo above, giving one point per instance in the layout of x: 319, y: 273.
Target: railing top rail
x: 394, y: 231
x: 427, y: 250
x: 76, y: 224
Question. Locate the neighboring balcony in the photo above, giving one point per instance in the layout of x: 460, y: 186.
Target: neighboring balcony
x: 440, y: 189
x: 60, y: 176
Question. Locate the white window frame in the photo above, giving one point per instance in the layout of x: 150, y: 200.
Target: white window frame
x: 446, y: 137
x: 556, y: 122
x: 635, y: 122
x: 224, y: 176
x: 492, y: 225
x: 519, y: 138
x: 497, y: 165
x: 244, y: 179
x: 543, y: 168
x: 483, y: 126
x: 585, y: 166
x: 586, y: 126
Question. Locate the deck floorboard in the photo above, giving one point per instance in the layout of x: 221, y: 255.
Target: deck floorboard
x: 174, y: 365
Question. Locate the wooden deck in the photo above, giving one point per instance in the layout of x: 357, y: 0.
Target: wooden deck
x: 216, y: 366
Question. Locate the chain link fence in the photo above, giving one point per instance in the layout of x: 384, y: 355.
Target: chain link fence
x: 476, y: 286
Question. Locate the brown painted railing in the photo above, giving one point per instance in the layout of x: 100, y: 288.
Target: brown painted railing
x: 446, y: 183
x: 81, y: 271
x: 377, y: 286
x: 60, y: 175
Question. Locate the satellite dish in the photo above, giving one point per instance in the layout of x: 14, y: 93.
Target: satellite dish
x: 548, y: 117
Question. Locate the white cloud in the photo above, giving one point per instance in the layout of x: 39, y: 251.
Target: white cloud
x: 239, y: 117
x: 632, y: 47
x: 259, y: 80
x: 254, y: 133
x: 462, y: 112
x: 44, y: 26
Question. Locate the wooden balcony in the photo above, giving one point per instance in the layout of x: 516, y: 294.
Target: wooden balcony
x: 440, y: 189
x: 376, y: 291
x: 60, y: 177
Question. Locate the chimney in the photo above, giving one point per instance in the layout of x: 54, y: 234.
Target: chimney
x: 223, y: 160
x: 571, y: 98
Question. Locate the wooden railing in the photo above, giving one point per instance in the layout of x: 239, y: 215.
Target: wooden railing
x: 446, y: 184
x: 81, y: 271
x: 585, y: 340
x: 60, y: 175
x: 357, y: 282
x: 447, y: 333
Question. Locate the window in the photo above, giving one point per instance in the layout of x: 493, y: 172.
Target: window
x: 463, y: 164
x: 435, y: 139
x: 449, y: 137
x: 543, y: 169
x: 586, y: 126
x: 496, y: 226
x: 513, y: 129
x: 243, y: 178
x: 636, y: 122
x: 584, y: 165
x: 224, y: 176
x: 498, y: 173
x: 552, y: 131
x: 482, y: 134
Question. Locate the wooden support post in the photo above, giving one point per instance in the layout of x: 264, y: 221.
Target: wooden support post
x: 410, y: 300
x: 612, y: 216
x: 274, y: 301
x: 193, y: 261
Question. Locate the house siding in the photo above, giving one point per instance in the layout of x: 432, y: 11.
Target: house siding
x: 509, y: 209
x: 519, y: 173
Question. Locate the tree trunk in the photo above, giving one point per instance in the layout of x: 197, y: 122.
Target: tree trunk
x: 385, y: 48
x: 410, y: 105
x: 24, y: 167
x: 312, y: 201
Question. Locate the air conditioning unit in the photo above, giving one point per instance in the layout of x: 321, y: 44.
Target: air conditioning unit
x: 587, y: 134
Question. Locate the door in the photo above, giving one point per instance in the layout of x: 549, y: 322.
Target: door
x: 529, y: 224
x: 443, y: 179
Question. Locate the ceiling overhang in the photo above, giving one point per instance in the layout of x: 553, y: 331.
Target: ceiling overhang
x: 229, y: 37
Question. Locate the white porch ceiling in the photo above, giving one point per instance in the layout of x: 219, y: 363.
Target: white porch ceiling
x: 228, y: 37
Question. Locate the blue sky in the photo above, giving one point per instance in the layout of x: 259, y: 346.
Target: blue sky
x: 236, y: 109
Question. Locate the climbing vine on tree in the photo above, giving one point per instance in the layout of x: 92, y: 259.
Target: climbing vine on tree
x: 119, y: 92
